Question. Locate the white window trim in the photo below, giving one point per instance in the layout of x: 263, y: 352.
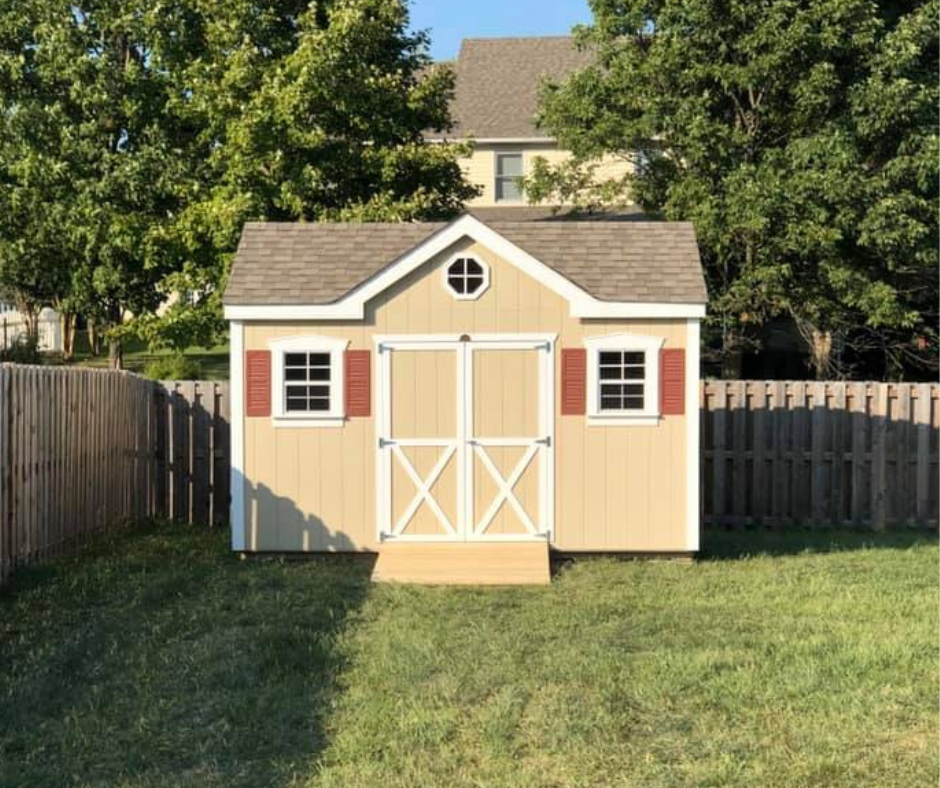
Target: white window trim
x: 336, y: 347
x: 497, y: 177
x: 648, y: 345
x: 466, y: 296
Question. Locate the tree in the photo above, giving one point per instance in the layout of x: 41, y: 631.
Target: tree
x: 168, y: 126
x: 799, y: 137
x: 307, y: 112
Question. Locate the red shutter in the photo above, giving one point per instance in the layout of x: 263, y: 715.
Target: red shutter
x: 358, y: 383
x: 573, y: 381
x: 672, y: 381
x: 258, y: 383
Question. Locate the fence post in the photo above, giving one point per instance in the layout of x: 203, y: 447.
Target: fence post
x: 879, y: 424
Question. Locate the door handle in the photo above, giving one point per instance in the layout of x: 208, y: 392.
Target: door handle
x: 546, y: 441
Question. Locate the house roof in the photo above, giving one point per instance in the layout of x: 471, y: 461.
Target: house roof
x: 300, y: 264
x: 496, y: 92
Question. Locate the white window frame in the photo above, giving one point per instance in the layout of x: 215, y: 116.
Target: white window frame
x: 634, y: 343
x: 497, y: 177
x: 466, y: 296
x: 336, y: 347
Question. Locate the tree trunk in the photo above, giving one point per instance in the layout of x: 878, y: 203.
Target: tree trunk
x: 115, y: 354
x: 94, y: 346
x: 68, y: 335
x: 732, y: 355
x: 821, y: 352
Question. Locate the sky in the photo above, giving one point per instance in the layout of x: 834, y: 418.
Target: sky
x: 451, y: 20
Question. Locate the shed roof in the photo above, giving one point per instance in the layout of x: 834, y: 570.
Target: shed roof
x: 497, y: 81
x: 296, y: 264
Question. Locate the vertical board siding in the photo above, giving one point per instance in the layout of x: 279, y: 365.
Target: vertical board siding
x: 820, y: 453
x: 82, y: 450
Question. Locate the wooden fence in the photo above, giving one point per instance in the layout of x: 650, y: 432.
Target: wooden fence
x: 84, y: 449
x: 794, y: 452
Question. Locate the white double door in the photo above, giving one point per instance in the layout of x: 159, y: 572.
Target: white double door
x: 465, y: 438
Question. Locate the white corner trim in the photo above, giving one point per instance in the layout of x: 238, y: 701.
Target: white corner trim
x: 465, y: 296
x: 310, y: 343
x: 237, y: 434
x: 352, y: 306
x: 692, y: 459
x: 649, y: 346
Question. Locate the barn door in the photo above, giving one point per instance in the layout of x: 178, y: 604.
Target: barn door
x: 509, y: 439
x: 464, y: 439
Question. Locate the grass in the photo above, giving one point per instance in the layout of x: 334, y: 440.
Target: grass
x: 214, y: 361
x: 160, y: 659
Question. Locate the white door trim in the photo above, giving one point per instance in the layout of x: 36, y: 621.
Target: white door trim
x: 464, y: 444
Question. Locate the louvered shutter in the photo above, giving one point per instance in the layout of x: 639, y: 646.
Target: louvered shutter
x: 573, y: 381
x: 358, y: 383
x: 258, y: 383
x: 672, y: 381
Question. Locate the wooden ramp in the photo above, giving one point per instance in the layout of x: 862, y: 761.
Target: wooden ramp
x: 463, y: 563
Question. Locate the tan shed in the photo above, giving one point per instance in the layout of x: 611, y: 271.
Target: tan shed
x: 471, y: 383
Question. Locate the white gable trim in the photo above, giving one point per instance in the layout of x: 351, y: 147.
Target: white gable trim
x: 352, y: 305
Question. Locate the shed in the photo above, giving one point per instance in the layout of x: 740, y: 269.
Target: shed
x: 466, y: 392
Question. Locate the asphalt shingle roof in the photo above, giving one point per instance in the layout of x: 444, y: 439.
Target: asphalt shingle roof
x: 496, y: 93
x: 622, y: 259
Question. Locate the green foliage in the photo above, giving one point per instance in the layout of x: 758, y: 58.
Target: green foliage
x: 781, y: 660
x: 23, y: 349
x: 174, y: 367
x: 136, y: 140
x: 799, y: 137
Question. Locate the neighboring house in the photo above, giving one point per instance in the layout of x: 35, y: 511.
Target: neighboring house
x: 13, y: 324
x: 495, y: 102
x: 431, y: 391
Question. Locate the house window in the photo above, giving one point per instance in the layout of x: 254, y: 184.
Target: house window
x: 623, y: 378
x: 466, y: 277
x: 508, y: 173
x: 308, y: 380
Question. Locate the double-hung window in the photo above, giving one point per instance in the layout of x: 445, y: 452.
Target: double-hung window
x: 308, y: 380
x: 509, y: 169
x: 623, y: 378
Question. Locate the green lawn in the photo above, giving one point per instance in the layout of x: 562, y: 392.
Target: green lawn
x: 159, y: 659
x: 213, y: 361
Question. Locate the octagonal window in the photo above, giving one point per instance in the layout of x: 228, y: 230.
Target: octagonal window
x: 467, y: 277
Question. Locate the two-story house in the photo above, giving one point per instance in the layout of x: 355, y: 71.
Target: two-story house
x: 495, y: 103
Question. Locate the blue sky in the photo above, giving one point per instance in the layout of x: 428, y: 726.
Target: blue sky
x: 452, y: 20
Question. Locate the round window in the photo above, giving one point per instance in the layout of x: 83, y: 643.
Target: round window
x: 466, y: 277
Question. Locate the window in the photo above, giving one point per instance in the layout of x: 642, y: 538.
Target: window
x: 466, y: 277
x: 623, y: 379
x: 307, y: 380
x: 508, y: 172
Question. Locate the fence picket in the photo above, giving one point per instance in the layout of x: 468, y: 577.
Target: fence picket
x: 83, y: 449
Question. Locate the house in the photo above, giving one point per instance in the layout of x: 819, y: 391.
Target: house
x: 473, y: 390
x: 494, y: 106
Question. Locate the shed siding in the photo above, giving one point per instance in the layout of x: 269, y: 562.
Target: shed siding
x: 616, y: 487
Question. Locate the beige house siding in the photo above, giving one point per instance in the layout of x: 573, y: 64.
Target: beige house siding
x: 616, y: 487
x: 480, y: 167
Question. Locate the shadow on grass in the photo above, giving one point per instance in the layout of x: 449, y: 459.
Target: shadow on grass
x: 158, y: 658
x: 728, y: 544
